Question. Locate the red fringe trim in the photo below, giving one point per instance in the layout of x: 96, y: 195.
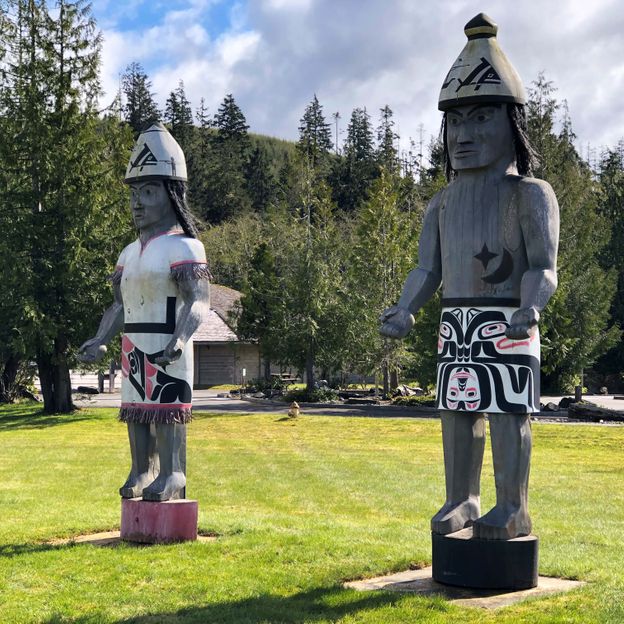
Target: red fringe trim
x: 189, y: 271
x: 156, y: 415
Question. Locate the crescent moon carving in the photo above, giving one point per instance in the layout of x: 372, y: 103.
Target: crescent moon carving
x: 503, y: 271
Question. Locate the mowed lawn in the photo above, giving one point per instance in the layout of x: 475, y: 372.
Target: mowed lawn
x: 298, y: 507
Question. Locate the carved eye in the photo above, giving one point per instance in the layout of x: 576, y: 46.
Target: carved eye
x: 445, y: 331
x: 492, y: 330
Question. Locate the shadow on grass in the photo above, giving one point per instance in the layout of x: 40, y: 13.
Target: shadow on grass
x: 32, y: 416
x: 323, y: 604
x: 15, y: 550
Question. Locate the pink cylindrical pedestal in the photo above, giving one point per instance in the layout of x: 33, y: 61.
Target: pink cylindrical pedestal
x: 158, y: 523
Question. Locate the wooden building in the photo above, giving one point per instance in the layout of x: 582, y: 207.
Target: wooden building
x: 220, y: 356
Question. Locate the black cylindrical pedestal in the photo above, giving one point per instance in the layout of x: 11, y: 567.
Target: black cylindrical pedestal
x: 463, y: 560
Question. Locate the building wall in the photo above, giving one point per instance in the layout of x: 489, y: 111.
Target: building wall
x: 217, y: 364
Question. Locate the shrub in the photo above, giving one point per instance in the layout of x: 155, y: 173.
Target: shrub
x: 425, y: 400
x: 318, y: 395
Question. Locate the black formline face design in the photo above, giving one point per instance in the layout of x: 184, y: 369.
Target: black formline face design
x: 476, y: 369
x: 148, y: 380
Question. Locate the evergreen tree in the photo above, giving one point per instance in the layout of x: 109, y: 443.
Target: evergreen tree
x: 315, y: 141
x: 311, y: 285
x: 224, y: 194
x: 261, y: 301
x: 574, y: 326
x: 204, y: 122
x: 199, y: 158
x: 611, y: 206
x: 231, y: 125
x: 261, y: 184
x: 387, y: 153
x: 179, y: 116
x: 356, y: 171
x: 140, y: 108
x: 383, y: 254
x: 230, y: 247
x: 64, y: 172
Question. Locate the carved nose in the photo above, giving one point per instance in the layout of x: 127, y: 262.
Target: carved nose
x: 464, y: 135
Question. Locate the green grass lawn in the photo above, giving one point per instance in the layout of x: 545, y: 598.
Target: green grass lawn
x: 299, y: 507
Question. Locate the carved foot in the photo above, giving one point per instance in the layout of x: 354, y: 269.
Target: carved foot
x: 165, y: 487
x: 134, y: 485
x: 455, y: 516
x: 502, y: 523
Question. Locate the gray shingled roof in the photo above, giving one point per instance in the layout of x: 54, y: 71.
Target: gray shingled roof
x: 223, y: 300
x: 214, y: 327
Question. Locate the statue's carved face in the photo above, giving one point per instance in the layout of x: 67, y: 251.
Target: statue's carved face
x: 479, y: 136
x: 150, y: 203
x: 463, y: 388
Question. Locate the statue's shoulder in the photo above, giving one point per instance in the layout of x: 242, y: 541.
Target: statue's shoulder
x: 436, y: 202
x: 184, y: 248
x: 534, y: 195
x: 126, y: 253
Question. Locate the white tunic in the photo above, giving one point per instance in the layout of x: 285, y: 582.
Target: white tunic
x: 151, y: 393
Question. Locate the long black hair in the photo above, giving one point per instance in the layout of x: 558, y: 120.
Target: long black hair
x: 176, y: 189
x: 526, y: 157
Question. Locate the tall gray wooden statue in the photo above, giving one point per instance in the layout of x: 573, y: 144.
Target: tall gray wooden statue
x: 161, y: 292
x: 490, y: 237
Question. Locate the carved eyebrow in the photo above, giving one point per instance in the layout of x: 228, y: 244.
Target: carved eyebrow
x: 478, y: 106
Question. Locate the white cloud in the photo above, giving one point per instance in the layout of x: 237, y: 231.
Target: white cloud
x: 278, y: 53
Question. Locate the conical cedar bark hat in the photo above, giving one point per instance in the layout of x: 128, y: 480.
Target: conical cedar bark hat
x: 156, y: 155
x: 482, y: 73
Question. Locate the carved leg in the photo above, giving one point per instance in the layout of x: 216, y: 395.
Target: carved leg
x: 171, y: 481
x: 511, y: 453
x: 463, y: 437
x: 144, y: 468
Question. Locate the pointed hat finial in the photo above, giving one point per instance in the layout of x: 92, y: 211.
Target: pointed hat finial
x: 482, y: 72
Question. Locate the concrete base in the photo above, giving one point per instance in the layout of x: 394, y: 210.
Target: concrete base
x: 420, y: 582
x: 465, y: 561
x: 158, y: 522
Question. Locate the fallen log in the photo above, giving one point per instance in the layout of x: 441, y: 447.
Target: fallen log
x: 593, y: 413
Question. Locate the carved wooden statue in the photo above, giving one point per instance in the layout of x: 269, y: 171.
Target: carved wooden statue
x: 490, y: 238
x: 161, y: 292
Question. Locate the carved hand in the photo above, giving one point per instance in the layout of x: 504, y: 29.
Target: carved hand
x: 396, y: 322
x: 523, y: 323
x: 91, y: 351
x: 172, y: 352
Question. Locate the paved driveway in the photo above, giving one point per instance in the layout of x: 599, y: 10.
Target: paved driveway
x: 209, y: 401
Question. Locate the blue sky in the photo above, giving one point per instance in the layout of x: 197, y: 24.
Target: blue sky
x: 274, y: 55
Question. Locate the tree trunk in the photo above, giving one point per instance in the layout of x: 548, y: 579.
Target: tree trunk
x: 394, y: 378
x: 386, y: 378
x: 7, y: 379
x: 310, y: 368
x: 55, y: 380
x: 267, y: 369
